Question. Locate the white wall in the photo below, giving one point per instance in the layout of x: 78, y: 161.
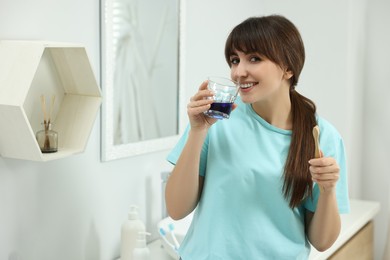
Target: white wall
x: 376, y: 142
x: 73, y: 208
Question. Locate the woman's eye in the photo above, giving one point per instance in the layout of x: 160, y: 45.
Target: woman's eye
x: 255, y: 59
x: 234, y: 60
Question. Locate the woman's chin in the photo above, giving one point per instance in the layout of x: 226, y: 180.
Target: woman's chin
x: 246, y: 99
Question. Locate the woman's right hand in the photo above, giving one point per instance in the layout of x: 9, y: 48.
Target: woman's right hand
x: 198, y: 104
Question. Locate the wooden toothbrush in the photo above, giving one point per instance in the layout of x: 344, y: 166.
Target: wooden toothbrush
x: 317, y: 151
x: 316, y: 135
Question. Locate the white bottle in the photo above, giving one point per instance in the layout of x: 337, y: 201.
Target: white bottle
x: 141, y: 251
x: 129, y: 233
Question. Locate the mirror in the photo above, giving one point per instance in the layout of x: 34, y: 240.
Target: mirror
x: 140, y: 47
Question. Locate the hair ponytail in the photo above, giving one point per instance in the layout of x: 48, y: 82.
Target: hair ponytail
x: 298, y: 183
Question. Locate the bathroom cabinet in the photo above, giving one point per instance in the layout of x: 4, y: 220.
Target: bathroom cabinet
x: 30, y: 69
x: 360, y: 246
x: 356, y: 235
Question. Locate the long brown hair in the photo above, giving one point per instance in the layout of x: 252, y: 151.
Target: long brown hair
x: 276, y: 38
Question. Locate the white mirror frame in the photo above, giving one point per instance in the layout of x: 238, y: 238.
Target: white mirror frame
x: 109, y: 151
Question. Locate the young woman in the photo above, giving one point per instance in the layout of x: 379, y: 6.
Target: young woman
x: 258, y: 191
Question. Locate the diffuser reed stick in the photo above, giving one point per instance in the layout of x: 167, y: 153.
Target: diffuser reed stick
x: 43, y: 106
x: 53, y: 98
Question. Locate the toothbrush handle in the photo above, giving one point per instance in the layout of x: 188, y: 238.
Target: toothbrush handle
x: 317, y: 151
x: 174, y: 239
x: 169, y: 243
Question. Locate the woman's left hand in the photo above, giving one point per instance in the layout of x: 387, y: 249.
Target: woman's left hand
x: 325, y: 172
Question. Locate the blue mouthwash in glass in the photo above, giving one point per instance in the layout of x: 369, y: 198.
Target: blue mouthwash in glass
x: 219, y: 110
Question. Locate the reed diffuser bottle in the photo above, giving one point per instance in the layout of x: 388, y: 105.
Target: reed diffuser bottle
x: 47, y: 138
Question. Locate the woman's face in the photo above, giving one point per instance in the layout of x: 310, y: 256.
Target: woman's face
x: 259, y: 78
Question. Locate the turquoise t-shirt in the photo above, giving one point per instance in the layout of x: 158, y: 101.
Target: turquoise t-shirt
x: 242, y: 213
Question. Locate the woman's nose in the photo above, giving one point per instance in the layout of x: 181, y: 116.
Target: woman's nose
x: 239, y: 71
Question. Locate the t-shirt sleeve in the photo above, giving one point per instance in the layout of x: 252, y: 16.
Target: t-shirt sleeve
x: 337, y: 152
x: 175, y: 153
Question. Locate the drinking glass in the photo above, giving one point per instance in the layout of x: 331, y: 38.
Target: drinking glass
x: 225, y: 92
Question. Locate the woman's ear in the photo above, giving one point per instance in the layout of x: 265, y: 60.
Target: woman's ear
x: 288, y: 74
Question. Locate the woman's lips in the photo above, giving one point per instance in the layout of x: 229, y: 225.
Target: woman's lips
x: 246, y: 87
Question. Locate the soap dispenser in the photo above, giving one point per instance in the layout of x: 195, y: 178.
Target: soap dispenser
x: 141, y: 251
x: 129, y: 233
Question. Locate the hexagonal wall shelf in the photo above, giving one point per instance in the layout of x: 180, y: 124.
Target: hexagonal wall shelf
x: 29, y: 69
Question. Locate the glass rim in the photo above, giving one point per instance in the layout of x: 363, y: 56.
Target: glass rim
x: 223, y: 80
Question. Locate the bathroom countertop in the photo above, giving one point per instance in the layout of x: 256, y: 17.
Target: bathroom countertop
x: 361, y: 213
